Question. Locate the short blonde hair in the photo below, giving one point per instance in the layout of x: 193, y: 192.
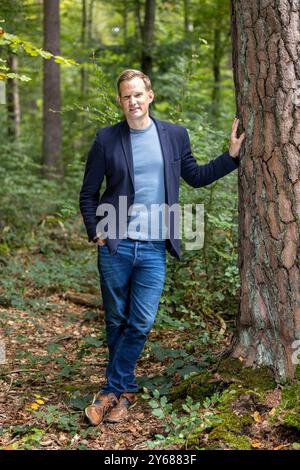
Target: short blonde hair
x: 129, y: 74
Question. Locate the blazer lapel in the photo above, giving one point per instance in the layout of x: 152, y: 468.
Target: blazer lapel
x: 164, y: 140
x: 126, y: 144
x: 165, y: 147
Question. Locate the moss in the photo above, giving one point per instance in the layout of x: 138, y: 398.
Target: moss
x: 289, y: 407
x: 197, y: 387
x: 231, y: 426
x: 232, y: 440
x: 232, y: 380
x: 260, y: 379
x: 219, y: 378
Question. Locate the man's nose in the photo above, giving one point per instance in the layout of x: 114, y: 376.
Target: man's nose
x: 132, y: 100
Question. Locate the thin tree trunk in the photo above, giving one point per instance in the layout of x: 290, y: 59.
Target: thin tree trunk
x: 186, y: 17
x: 148, y: 38
x: 13, y: 100
x: 90, y: 21
x: 187, y: 21
x: 125, y: 21
x: 266, y: 71
x: 83, y: 84
x: 217, y: 75
x: 138, y: 20
x: 51, y: 91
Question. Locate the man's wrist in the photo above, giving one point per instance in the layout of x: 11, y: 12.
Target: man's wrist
x: 235, y: 158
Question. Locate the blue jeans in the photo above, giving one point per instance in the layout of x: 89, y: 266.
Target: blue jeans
x: 131, y: 283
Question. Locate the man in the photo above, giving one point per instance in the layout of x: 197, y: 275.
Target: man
x: 142, y: 159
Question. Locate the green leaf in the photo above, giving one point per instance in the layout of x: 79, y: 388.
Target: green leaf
x: 163, y: 401
x: 158, y: 412
x: 63, y: 61
x: 23, y: 78
x: 153, y: 404
x: 90, y: 341
x: 53, y: 347
x: 45, y: 54
x: 81, y: 403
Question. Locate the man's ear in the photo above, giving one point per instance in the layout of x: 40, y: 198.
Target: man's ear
x: 118, y: 100
x: 151, y: 95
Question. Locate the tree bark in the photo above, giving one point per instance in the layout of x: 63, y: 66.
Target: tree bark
x: 265, y: 37
x: 13, y: 100
x: 51, y: 91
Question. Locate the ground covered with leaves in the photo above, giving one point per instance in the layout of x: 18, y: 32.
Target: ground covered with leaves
x: 52, y: 337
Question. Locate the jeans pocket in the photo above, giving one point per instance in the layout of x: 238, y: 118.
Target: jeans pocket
x: 102, y: 248
x: 158, y: 246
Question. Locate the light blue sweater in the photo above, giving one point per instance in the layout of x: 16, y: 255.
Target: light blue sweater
x: 149, y: 185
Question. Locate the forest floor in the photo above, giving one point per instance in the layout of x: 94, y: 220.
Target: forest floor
x: 54, y: 360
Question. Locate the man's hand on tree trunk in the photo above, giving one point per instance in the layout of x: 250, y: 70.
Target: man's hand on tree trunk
x: 235, y: 141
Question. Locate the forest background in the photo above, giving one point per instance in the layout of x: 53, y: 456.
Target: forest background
x: 51, y: 314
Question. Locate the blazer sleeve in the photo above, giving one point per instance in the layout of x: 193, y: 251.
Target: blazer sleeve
x: 202, y: 175
x: 90, y: 190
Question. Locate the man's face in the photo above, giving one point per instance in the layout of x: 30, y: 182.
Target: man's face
x: 135, y: 99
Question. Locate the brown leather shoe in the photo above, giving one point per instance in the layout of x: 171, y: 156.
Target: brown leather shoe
x: 120, y: 411
x: 101, y: 405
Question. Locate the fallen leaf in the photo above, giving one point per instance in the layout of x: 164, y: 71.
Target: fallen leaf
x: 256, y: 417
x: 94, y: 379
x: 75, y: 439
x: 272, y: 412
x: 40, y: 402
x: 62, y: 437
x: 46, y: 443
x: 281, y: 446
x: 256, y: 444
x: 34, y: 406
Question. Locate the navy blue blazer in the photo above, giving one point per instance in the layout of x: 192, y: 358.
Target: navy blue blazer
x: 111, y: 156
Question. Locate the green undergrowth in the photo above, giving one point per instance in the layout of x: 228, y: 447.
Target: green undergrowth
x: 222, y: 402
x: 289, y: 409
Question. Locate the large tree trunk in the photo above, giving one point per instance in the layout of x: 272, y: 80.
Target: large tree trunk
x: 13, y: 100
x: 148, y: 38
x: 266, y: 64
x: 51, y: 90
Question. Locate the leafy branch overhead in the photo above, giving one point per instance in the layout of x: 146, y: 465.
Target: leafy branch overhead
x: 17, y: 43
